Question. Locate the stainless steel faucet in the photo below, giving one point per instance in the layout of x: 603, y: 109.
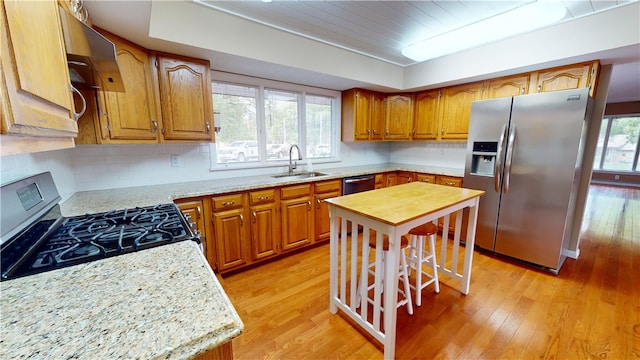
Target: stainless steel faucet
x: 295, y: 164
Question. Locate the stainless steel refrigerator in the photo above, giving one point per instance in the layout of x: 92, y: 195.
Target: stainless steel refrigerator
x: 527, y: 153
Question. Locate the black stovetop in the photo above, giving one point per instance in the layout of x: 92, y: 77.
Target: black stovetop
x: 57, y: 242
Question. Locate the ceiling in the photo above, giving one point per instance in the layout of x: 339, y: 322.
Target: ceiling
x: 373, y: 29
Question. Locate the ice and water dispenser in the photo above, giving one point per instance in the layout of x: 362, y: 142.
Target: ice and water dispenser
x: 483, y: 158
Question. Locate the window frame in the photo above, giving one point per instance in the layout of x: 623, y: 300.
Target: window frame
x: 302, y: 90
x: 635, y: 166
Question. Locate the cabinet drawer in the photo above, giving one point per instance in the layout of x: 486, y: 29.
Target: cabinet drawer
x: 428, y: 178
x: 327, y: 186
x: 291, y: 192
x: 262, y: 196
x: 449, y: 181
x: 227, y: 202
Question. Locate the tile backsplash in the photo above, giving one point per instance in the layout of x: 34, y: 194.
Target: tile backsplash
x: 96, y: 167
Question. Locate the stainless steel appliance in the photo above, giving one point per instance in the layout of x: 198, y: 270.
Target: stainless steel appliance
x: 356, y: 184
x: 35, y: 237
x: 526, y: 152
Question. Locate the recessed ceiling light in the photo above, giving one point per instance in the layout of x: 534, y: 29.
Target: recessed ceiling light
x: 525, y: 18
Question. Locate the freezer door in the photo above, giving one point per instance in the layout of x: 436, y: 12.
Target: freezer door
x: 489, y: 118
x: 537, y: 208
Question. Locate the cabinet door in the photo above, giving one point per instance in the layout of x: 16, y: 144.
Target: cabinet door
x: 392, y: 179
x: 566, y: 78
x: 296, y: 222
x: 362, y: 114
x: 36, y: 92
x: 231, y: 238
x: 185, y: 98
x: 324, y: 190
x: 426, y: 117
x: 404, y: 177
x: 264, y: 231
x: 507, y: 86
x: 449, y: 181
x: 398, y: 117
x: 129, y: 115
x: 427, y: 178
x: 377, y: 116
x: 194, y: 210
x: 456, y: 110
x: 379, y: 179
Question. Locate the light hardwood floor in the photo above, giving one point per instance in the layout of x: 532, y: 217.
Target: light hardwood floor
x: 591, y: 310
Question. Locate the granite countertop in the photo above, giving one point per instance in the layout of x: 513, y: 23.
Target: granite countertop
x: 105, y: 200
x: 160, y: 303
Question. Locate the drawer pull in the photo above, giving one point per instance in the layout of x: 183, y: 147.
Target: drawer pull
x: 228, y: 203
x: 262, y: 198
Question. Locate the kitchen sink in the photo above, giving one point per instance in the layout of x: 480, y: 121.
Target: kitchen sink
x: 298, y: 175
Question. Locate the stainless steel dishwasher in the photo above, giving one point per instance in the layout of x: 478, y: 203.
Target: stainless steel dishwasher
x: 356, y: 184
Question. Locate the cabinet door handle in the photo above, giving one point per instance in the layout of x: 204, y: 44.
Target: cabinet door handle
x: 241, y: 220
x: 387, y: 132
x: 76, y: 115
x: 309, y: 205
x: 198, y: 213
x: 254, y: 216
x: 228, y: 203
x: 155, y: 126
x: 369, y: 131
x: 208, y: 127
x: 318, y: 204
x: 409, y: 180
x: 375, y: 132
x: 442, y: 131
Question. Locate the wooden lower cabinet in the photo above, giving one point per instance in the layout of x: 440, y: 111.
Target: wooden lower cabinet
x: 427, y: 178
x: 404, y: 177
x: 379, y: 181
x: 324, y: 190
x: 297, y: 216
x: 449, y: 181
x: 194, y: 209
x: 230, y: 231
x: 265, y: 225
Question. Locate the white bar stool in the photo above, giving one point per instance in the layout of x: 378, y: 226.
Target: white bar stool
x: 403, y: 272
x: 418, y: 255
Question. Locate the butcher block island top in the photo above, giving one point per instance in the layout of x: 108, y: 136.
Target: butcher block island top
x: 398, y: 204
x: 160, y: 303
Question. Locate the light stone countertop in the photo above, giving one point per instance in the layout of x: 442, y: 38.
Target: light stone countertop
x: 105, y: 200
x: 163, y: 302
x: 160, y: 303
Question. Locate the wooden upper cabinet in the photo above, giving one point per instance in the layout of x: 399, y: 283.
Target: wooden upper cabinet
x: 398, y: 117
x: 377, y: 116
x: 185, y: 98
x: 129, y: 115
x: 362, y: 115
x: 456, y: 109
x: 567, y: 77
x: 36, y: 101
x: 507, y: 86
x: 426, y: 115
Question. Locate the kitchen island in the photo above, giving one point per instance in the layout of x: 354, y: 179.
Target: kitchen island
x: 160, y: 303
x: 393, y: 212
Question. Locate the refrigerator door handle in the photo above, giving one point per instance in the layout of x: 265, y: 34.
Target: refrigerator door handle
x: 509, y: 158
x: 496, y: 171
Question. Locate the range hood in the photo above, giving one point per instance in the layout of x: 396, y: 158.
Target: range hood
x: 91, y: 57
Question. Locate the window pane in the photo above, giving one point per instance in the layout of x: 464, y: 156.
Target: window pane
x: 601, y: 137
x: 281, y: 122
x: 622, y: 144
x: 235, y: 105
x: 318, y: 124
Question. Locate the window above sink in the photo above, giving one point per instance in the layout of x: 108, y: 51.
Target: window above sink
x: 257, y: 122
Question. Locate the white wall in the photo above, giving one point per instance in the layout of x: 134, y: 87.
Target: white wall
x: 441, y: 154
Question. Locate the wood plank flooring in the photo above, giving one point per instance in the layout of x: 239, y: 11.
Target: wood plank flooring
x: 591, y: 310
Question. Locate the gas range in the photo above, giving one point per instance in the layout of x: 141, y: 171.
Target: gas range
x: 37, y: 238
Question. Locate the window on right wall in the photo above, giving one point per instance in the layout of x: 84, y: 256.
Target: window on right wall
x: 618, y: 145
